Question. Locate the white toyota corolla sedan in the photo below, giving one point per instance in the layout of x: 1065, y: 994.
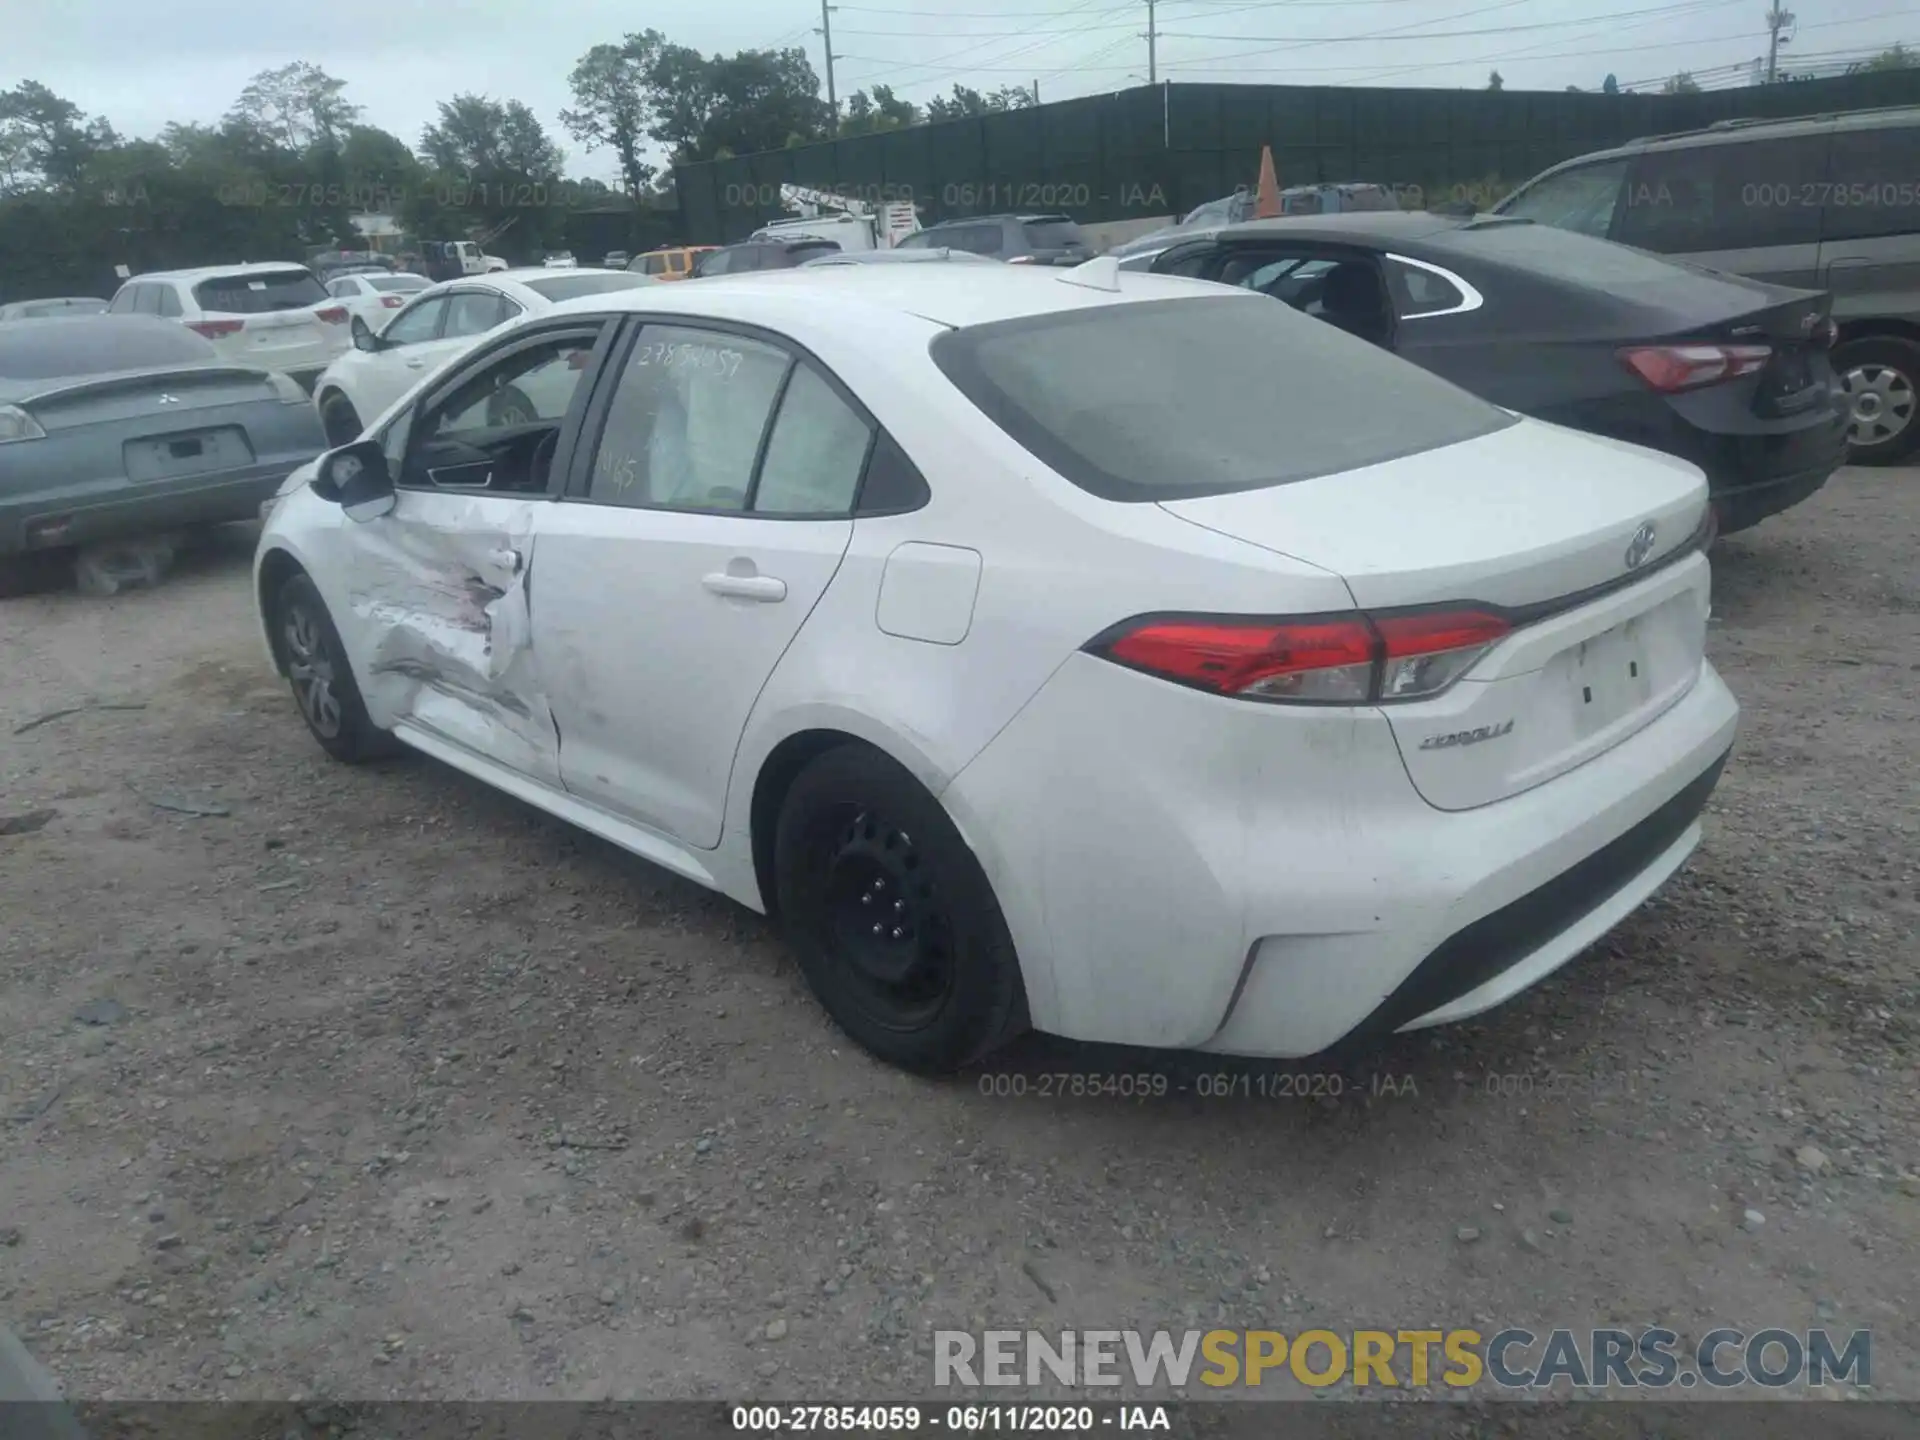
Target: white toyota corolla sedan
x: 1112, y: 654
x: 434, y: 325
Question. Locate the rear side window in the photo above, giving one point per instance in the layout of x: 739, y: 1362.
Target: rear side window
x: 815, y: 454
x: 1875, y: 175
x: 1729, y: 196
x: 259, y: 294
x: 167, y: 303
x: 685, y: 424
x: 1582, y: 200
x: 146, y: 300
x: 1418, y: 292
x: 1163, y: 400
x: 654, y: 264
x: 1053, y: 234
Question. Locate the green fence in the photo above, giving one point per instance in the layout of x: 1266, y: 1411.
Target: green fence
x: 1162, y: 150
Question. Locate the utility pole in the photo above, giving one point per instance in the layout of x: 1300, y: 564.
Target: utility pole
x: 825, y: 32
x: 1153, y: 58
x: 1777, y: 20
x: 1036, y: 91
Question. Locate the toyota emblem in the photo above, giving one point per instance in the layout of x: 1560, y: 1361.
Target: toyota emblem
x: 1640, y: 547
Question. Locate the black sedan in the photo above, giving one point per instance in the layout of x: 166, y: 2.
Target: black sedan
x: 1729, y: 373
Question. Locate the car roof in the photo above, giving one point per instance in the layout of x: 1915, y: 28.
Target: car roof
x: 1362, y: 226
x: 951, y: 295
x: 252, y: 267
x: 1021, y: 216
x: 1739, y: 131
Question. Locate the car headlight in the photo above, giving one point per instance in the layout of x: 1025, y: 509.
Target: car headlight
x: 17, y: 424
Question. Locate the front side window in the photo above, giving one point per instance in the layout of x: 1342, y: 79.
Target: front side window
x: 495, y: 429
x: 684, y: 427
x: 147, y: 301
x: 1163, y: 400
x: 418, y: 322
x: 124, y: 299
x: 1582, y: 200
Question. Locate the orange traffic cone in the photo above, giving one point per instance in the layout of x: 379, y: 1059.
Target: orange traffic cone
x: 1267, y: 196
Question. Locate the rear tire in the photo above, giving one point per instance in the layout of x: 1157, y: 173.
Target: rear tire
x: 323, y: 684
x: 894, y: 922
x: 1881, y: 375
x: 339, y: 420
x: 34, y: 571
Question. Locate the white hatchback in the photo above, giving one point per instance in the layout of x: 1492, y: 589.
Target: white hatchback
x: 270, y: 317
x: 1071, y: 649
x: 433, y: 325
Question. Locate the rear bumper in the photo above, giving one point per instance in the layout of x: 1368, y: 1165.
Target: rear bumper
x: 1274, y: 887
x: 47, y: 522
x: 1750, y: 477
x: 1747, y: 505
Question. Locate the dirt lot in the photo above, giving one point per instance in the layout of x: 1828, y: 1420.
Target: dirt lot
x: 400, y: 1089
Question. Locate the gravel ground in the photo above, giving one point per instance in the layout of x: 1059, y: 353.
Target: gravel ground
x: 377, y: 1084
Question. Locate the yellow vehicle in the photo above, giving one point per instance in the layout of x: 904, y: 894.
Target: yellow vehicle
x: 673, y: 262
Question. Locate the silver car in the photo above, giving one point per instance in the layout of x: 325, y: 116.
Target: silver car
x: 118, y: 426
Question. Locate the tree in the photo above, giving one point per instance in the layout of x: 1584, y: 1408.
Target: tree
x: 46, y: 141
x: 379, y: 166
x: 880, y: 109
x: 1494, y: 82
x: 611, y: 106
x: 1610, y: 86
x: 1681, y: 84
x: 964, y: 102
x: 296, y: 106
x: 737, y: 104
x: 1896, y: 58
x: 478, y: 136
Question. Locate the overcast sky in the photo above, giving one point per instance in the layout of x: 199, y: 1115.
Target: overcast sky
x: 142, y: 63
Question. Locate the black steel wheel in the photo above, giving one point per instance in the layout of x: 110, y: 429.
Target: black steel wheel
x: 894, y: 922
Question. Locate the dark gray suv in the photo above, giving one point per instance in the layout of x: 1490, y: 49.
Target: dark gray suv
x: 1017, y: 239
x: 1826, y: 202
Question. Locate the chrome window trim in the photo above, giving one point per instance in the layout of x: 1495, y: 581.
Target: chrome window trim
x: 1471, y: 299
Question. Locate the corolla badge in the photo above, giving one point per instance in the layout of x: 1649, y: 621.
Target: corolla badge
x: 1640, y: 547
x: 1467, y: 737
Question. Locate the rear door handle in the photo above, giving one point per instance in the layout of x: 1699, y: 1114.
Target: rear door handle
x: 746, y: 587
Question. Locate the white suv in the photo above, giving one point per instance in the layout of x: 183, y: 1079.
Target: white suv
x: 276, y: 317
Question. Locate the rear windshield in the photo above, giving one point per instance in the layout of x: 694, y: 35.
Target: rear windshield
x: 398, y: 282
x: 1052, y: 234
x: 97, y: 345
x: 260, y: 294
x: 62, y: 307
x: 1200, y: 396
x: 572, y: 287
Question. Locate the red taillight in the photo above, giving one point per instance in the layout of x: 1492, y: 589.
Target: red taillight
x: 333, y: 315
x: 1673, y: 368
x: 392, y: 302
x: 1319, y: 660
x: 215, y: 329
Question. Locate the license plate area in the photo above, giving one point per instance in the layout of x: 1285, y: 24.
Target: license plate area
x: 188, y: 452
x: 1609, y: 677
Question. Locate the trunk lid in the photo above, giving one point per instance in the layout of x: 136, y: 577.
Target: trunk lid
x: 1550, y: 529
x: 1798, y: 376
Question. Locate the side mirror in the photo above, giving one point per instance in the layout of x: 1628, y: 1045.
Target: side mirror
x: 356, y: 477
x: 363, y: 336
